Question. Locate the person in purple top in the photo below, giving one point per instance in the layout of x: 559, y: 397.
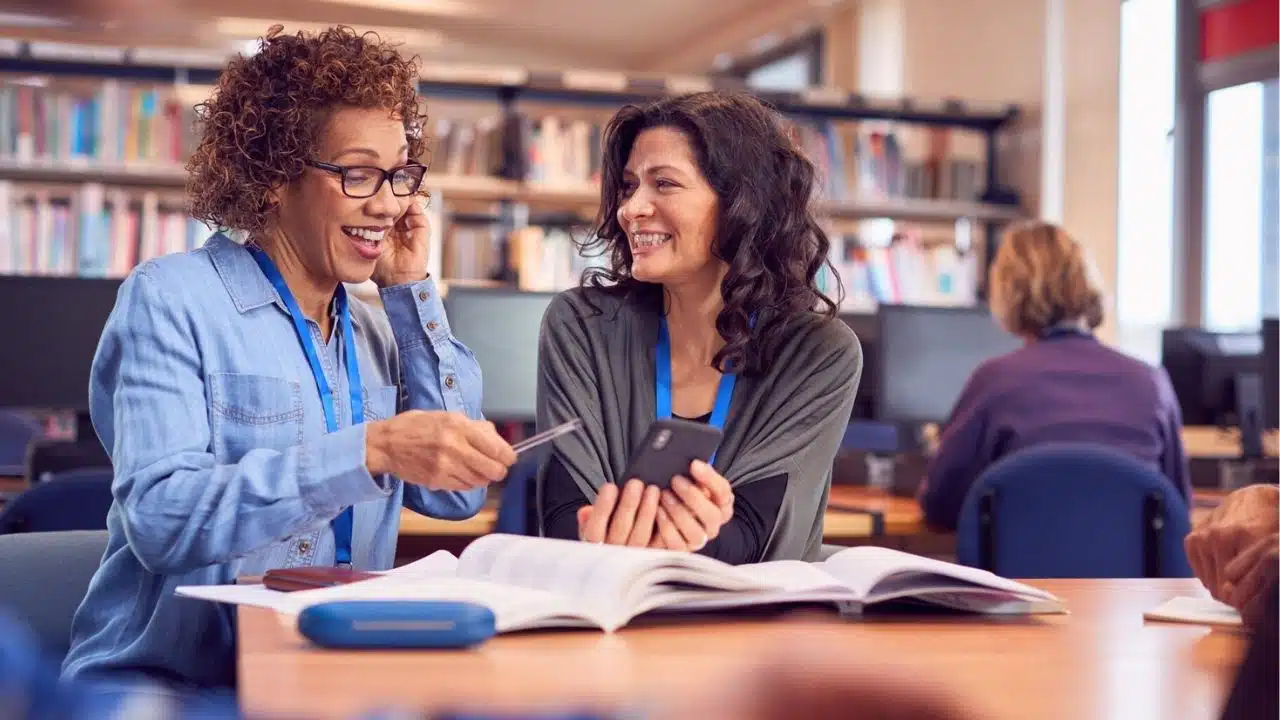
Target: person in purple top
x: 1063, y: 385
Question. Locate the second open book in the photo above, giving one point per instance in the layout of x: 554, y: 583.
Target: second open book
x: 532, y: 582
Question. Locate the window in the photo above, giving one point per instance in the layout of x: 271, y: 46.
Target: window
x: 791, y: 66
x: 1235, y: 165
x: 789, y: 73
x: 1144, y: 238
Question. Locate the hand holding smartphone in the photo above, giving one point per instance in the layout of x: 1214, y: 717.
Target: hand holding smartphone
x: 668, y: 448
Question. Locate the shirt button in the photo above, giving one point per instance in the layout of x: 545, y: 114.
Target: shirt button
x: 433, y: 325
x: 449, y: 382
x: 304, y: 546
x: 423, y: 295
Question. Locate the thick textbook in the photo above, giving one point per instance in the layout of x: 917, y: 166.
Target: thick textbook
x: 532, y: 582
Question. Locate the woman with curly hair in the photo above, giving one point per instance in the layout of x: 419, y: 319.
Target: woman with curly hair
x: 708, y: 311
x: 256, y: 415
x: 1063, y: 385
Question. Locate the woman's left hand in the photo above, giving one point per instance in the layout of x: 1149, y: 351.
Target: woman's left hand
x: 404, y: 259
x: 691, y: 513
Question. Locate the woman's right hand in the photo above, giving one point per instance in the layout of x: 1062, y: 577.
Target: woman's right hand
x: 625, y: 518
x: 438, y: 450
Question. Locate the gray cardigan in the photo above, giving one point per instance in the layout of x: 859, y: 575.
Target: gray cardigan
x: 596, y: 362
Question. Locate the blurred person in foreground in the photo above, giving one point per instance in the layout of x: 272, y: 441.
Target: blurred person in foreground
x: 1063, y: 385
x: 800, y: 681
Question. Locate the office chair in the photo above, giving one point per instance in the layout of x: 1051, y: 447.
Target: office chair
x: 76, y: 500
x: 1073, y: 510
x: 43, y: 579
x: 17, y: 432
x: 515, y: 510
x: 48, y: 458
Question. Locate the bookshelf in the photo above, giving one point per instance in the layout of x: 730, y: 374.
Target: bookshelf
x: 115, y: 123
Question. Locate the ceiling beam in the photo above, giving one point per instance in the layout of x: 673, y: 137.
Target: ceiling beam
x: 473, y: 28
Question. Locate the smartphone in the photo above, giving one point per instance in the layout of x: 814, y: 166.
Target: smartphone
x: 669, y: 447
x: 311, y: 578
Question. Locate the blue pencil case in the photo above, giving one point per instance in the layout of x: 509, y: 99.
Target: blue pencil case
x: 397, y: 624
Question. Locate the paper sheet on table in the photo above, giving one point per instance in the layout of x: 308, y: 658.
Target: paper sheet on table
x: 1196, y: 611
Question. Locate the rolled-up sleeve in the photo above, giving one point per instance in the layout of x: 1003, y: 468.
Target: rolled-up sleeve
x: 431, y: 364
x: 182, y: 509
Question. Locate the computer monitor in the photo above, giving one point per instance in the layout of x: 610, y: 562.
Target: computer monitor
x: 864, y: 325
x: 55, y: 324
x: 1271, y: 373
x: 501, y: 327
x: 1203, y: 367
x: 926, y: 355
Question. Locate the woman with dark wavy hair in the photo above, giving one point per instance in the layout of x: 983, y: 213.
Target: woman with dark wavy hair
x: 708, y: 311
x: 256, y: 415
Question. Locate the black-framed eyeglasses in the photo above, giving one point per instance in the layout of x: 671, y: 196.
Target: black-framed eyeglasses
x: 362, y: 181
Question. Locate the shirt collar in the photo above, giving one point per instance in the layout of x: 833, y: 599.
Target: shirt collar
x: 1064, y: 330
x: 248, y: 287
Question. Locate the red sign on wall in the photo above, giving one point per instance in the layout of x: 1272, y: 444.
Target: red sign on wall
x: 1235, y: 28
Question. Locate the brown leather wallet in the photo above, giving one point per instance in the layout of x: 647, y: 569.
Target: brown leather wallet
x: 310, y: 578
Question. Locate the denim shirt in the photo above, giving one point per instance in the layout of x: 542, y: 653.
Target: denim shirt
x: 203, y: 396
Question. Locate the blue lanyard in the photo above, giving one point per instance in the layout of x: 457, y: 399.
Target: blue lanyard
x: 724, y: 393
x: 342, y: 525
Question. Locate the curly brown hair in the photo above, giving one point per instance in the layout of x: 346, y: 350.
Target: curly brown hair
x: 264, y: 119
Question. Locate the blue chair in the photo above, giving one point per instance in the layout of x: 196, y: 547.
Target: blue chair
x: 17, y: 432
x: 516, y: 505
x: 74, y: 500
x: 1069, y: 510
x: 43, y: 579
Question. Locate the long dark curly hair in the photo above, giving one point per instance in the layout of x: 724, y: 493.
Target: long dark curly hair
x: 766, y: 231
x: 264, y: 119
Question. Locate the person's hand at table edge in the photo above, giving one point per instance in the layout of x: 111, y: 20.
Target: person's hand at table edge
x: 1230, y: 549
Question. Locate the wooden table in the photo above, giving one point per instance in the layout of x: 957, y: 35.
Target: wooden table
x: 420, y: 536
x: 838, y: 524
x: 1099, y: 661
x: 856, y: 515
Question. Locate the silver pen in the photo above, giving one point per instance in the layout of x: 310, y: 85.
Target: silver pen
x: 547, y: 435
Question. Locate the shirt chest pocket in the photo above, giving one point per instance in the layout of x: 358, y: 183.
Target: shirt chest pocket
x: 380, y: 402
x: 253, y: 411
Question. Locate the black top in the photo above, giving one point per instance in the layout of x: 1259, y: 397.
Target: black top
x: 741, y: 540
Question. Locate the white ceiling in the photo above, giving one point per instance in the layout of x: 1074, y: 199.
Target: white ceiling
x: 633, y: 35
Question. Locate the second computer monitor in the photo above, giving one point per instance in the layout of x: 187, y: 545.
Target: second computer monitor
x: 501, y: 327
x: 54, y: 327
x: 926, y: 355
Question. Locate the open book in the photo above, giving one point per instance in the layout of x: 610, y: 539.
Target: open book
x: 532, y: 582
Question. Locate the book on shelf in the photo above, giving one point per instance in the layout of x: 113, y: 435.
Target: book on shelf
x: 871, y: 161
x: 99, y: 122
x: 91, y: 230
x: 876, y: 161
x: 907, y: 270
x: 534, y: 582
